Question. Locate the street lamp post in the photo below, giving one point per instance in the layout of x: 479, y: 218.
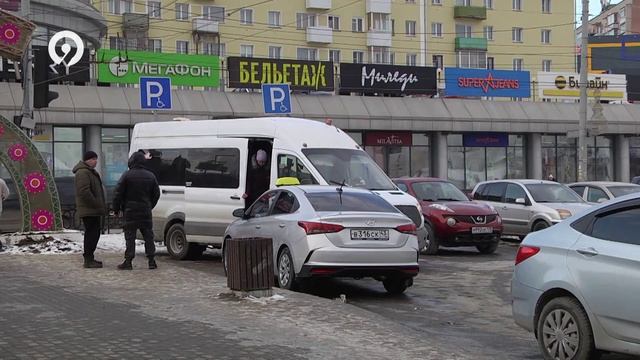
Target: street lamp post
x: 582, y: 122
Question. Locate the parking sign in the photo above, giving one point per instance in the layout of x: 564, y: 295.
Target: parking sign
x: 276, y: 98
x: 155, y: 93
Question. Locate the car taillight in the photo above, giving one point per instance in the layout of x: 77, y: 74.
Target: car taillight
x: 525, y: 252
x: 407, y: 229
x: 311, y: 227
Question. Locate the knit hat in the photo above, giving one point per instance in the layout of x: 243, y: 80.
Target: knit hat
x: 89, y: 155
x: 261, y: 155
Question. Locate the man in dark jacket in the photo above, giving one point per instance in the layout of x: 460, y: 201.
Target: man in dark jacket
x: 258, y: 177
x: 136, y: 194
x: 90, y: 204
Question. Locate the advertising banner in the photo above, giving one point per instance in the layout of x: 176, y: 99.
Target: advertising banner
x: 388, y: 79
x: 555, y: 85
x: 78, y: 72
x: 126, y: 67
x: 251, y: 73
x: 485, y: 139
x: 492, y: 83
x: 388, y: 138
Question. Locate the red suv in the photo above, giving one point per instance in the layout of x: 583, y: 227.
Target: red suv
x: 451, y: 219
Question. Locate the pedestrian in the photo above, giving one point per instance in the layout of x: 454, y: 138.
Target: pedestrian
x: 4, y: 193
x: 90, y: 205
x: 136, y: 194
x: 551, y: 177
x: 258, y: 178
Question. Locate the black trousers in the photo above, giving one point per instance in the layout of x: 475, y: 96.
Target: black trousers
x: 91, y: 234
x: 130, y: 238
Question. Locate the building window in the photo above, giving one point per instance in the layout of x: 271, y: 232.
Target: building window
x: 463, y: 2
x: 304, y: 20
x: 545, y: 36
x: 474, y: 59
x: 436, y: 29
x: 274, y: 18
x: 116, y: 43
x: 307, y: 54
x: 488, y: 32
x: 182, y: 47
x: 153, y: 9
x: 334, y: 56
x: 600, y: 158
x: 357, y: 24
x: 410, y: 28
x: 209, y: 48
x: 559, y: 158
x: 379, y: 22
x: 67, y: 149
x: 398, y: 161
x: 488, y: 4
x: 120, y: 7
x: 412, y: 59
x: 463, y: 30
x: 438, y: 61
x: 518, y: 64
x: 546, y: 65
x: 491, y: 62
x: 155, y: 45
x: 436, y: 2
x: 275, y: 52
x: 516, y: 34
x: 115, y: 154
x: 182, y: 11
x: 358, y: 57
x: 333, y: 22
x: 215, y: 13
x: 381, y: 55
x: 246, y: 50
x: 246, y: 16
x: 546, y: 6
x: 516, y: 5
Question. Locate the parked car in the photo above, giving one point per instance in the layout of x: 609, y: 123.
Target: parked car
x: 451, y: 219
x: 529, y: 205
x: 329, y: 231
x: 600, y: 191
x: 576, y: 285
x: 635, y: 180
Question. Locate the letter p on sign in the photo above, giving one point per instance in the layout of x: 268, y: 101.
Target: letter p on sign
x: 155, y: 93
x: 276, y: 98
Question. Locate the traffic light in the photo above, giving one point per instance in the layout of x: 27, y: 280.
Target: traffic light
x: 41, y: 77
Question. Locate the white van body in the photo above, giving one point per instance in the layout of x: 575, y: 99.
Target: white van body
x: 204, y: 211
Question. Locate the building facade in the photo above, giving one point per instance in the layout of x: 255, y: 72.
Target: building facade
x: 618, y: 19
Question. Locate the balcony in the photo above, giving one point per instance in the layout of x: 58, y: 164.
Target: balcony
x: 467, y: 43
x: 319, y: 34
x: 379, y: 6
x: 379, y: 38
x: 203, y: 25
x: 319, y: 4
x: 135, y: 22
x: 470, y: 12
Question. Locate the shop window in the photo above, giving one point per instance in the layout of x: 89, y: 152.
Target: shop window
x: 634, y: 156
x: 115, y: 156
x: 67, y: 150
x: 559, y: 158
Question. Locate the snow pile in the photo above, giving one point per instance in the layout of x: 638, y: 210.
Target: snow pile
x: 65, y: 242
x: 265, y: 300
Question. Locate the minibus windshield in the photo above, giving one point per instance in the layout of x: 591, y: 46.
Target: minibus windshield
x: 353, y: 167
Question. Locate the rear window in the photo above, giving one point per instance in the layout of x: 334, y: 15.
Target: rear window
x: 334, y: 201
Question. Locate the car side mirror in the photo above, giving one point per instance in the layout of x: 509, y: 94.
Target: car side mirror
x: 521, y: 201
x: 239, y: 213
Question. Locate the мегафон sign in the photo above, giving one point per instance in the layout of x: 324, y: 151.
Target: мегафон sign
x: 388, y: 79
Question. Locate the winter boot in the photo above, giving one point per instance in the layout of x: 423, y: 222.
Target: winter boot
x: 152, y: 263
x: 91, y: 263
x: 126, y: 265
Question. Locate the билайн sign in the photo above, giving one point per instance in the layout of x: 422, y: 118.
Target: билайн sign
x: 251, y: 73
x: 554, y: 85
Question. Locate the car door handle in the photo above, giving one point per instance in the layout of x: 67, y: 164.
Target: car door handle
x: 588, y: 251
x: 282, y: 225
x: 258, y: 227
x: 234, y: 197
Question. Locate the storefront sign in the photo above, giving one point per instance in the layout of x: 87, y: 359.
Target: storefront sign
x: 388, y: 138
x: 493, y: 83
x: 566, y: 86
x: 78, y: 72
x: 251, y: 73
x: 485, y: 139
x: 388, y: 79
x: 126, y: 67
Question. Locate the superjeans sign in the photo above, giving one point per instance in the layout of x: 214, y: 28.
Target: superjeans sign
x: 492, y: 83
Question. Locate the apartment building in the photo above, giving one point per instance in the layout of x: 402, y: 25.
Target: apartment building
x: 617, y: 19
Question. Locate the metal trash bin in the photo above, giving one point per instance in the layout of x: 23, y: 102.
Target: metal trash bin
x: 250, y: 265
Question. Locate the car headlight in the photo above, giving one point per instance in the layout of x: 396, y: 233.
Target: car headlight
x: 441, y: 207
x: 451, y: 221
x: 564, y: 213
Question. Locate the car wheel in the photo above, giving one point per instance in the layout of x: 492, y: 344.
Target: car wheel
x: 396, y: 286
x: 432, y: 246
x: 286, y: 272
x: 488, y: 248
x: 564, y: 331
x: 539, y: 225
x: 177, y: 244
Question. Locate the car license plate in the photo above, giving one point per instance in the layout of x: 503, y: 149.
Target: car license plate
x: 481, y: 230
x: 365, y: 234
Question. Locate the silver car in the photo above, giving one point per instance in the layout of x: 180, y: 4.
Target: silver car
x: 576, y: 285
x: 529, y: 205
x: 321, y: 231
x: 601, y: 191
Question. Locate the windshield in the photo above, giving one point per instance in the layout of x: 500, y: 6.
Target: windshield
x: 553, y: 193
x: 438, y: 191
x: 354, y: 167
x: 623, y: 190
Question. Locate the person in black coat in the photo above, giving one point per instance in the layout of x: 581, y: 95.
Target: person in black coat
x: 136, y: 194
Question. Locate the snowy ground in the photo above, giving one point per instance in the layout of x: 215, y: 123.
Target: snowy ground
x: 66, y: 242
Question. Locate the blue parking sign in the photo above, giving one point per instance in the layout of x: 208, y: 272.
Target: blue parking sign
x: 276, y: 98
x: 155, y: 93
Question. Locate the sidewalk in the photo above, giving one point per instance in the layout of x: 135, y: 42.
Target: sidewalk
x: 50, y: 307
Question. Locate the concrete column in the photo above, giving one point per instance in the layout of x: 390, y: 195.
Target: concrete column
x: 534, y: 156
x: 93, y: 142
x: 621, y: 158
x: 439, y: 165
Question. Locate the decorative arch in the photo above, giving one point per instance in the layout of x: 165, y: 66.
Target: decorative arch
x: 37, y: 192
